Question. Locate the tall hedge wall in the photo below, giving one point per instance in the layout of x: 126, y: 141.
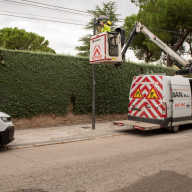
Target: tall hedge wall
x: 35, y: 83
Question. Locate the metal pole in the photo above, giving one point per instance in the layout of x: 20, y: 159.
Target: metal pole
x: 93, y: 98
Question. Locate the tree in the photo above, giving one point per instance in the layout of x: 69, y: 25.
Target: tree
x: 108, y: 10
x: 84, y: 50
x: 142, y: 47
x: 19, y: 39
x: 169, y: 15
x: 189, y: 41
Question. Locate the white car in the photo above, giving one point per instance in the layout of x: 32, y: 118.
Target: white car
x: 6, y: 129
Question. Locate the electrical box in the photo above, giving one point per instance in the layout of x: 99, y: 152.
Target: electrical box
x: 105, y: 48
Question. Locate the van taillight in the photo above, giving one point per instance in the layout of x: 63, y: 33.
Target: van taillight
x: 164, y: 112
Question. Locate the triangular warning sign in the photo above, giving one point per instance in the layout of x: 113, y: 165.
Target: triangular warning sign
x: 96, y: 50
x: 152, y: 94
x: 97, y: 53
x: 138, y: 94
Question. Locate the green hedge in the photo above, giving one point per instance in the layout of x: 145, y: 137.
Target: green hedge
x: 35, y: 83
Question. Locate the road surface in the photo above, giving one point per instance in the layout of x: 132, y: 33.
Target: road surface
x: 137, y: 161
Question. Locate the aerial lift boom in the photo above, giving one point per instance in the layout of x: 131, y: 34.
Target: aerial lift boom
x: 184, y: 66
x: 109, y: 48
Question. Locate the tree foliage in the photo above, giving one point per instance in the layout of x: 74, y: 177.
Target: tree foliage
x: 108, y: 10
x: 84, y: 49
x: 19, y: 39
x: 167, y: 15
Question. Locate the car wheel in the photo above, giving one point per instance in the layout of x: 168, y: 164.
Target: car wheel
x: 175, y: 129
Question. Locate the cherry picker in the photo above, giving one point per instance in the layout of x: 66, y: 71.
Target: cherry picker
x: 110, y: 48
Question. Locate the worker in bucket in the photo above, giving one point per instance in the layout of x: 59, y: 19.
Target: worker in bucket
x: 105, y: 27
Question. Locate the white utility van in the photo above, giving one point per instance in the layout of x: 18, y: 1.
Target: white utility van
x: 159, y: 101
x: 6, y: 129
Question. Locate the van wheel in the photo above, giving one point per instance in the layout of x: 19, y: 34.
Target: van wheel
x: 175, y: 129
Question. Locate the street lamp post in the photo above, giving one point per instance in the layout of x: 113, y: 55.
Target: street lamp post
x: 93, y: 98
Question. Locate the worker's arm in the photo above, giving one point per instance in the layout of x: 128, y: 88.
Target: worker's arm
x: 101, y: 23
x: 99, y: 28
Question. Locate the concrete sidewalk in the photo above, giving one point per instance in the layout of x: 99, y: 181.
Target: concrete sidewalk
x: 63, y: 134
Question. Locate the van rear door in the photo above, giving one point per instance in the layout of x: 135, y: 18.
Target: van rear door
x: 181, y: 98
x: 145, y: 99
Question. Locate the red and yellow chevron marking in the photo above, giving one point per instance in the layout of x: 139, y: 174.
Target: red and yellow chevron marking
x: 146, y: 95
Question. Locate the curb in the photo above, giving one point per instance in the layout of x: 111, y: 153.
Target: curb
x: 57, y: 142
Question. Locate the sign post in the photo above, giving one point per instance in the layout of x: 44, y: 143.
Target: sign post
x: 93, y: 98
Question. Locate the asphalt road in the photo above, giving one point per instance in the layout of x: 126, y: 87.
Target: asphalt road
x: 138, y: 161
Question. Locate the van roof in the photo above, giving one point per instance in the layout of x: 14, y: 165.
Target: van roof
x: 152, y: 74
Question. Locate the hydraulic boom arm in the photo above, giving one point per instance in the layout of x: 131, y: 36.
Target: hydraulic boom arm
x: 184, y: 66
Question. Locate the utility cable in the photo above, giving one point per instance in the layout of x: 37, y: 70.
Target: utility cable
x: 41, y: 16
x: 41, y: 7
x: 3, y: 13
x: 55, y: 6
x: 61, y: 9
x: 42, y: 19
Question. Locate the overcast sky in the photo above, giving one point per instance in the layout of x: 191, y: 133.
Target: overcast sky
x: 63, y: 38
